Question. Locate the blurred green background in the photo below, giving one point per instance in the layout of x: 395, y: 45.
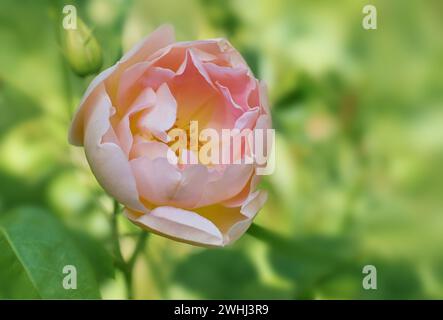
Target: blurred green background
x: 359, y: 153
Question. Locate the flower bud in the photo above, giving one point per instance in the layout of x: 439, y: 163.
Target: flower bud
x: 82, y: 50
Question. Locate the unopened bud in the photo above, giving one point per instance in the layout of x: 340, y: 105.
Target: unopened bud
x: 81, y: 49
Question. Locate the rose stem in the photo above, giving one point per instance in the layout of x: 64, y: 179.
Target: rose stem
x: 127, y: 267
x: 265, y: 235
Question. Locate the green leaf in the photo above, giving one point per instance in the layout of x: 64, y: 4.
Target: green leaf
x: 224, y: 274
x: 35, y: 248
x: 99, y: 258
x: 310, y: 260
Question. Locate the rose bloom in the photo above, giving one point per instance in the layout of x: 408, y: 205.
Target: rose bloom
x: 123, y: 122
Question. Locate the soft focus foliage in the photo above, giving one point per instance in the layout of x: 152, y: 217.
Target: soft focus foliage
x: 358, y: 158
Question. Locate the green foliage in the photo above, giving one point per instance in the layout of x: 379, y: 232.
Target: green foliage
x: 35, y: 248
x: 223, y: 274
x: 310, y: 260
x: 98, y: 257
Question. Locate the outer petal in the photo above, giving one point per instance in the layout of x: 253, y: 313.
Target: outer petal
x: 159, y: 38
x: 210, y: 226
x: 217, y: 51
x: 221, y: 48
x: 179, y: 224
x: 107, y: 160
x: 76, y: 131
x: 241, y: 197
x: 263, y: 97
x: 233, y: 222
x: 249, y: 209
x: 253, y: 203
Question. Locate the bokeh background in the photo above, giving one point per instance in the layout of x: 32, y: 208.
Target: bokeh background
x: 359, y: 153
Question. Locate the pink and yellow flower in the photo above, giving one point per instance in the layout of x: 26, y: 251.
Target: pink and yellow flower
x: 124, y: 121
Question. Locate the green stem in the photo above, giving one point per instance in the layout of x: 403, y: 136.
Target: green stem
x: 159, y: 275
x: 281, y: 244
x: 126, y: 267
x: 266, y: 235
x: 115, y: 236
x: 139, y: 247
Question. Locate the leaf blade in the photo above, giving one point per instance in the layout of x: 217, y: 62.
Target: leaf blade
x: 39, y: 248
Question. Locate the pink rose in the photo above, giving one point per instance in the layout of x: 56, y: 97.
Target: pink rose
x: 124, y: 123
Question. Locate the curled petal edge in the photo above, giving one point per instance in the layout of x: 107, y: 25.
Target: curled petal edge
x: 190, y: 227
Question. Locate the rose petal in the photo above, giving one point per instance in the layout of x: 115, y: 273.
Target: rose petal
x: 241, y: 197
x: 161, y: 117
x: 263, y: 96
x: 229, y: 184
x: 139, y: 77
x: 195, y: 95
x: 107, y: 160
x: 248, y: 119
x: 238, y: 81
x: 233, y: 222
x: 179, y: 224
x: 250, y: 209
x: 150, y: 149
x: 231, y: 105
x: 159, y: 38
x: 254, y: 203
x: 76, y: 131
x: 156, y: 76
x: 145, y: 100
x: 162, y: 183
